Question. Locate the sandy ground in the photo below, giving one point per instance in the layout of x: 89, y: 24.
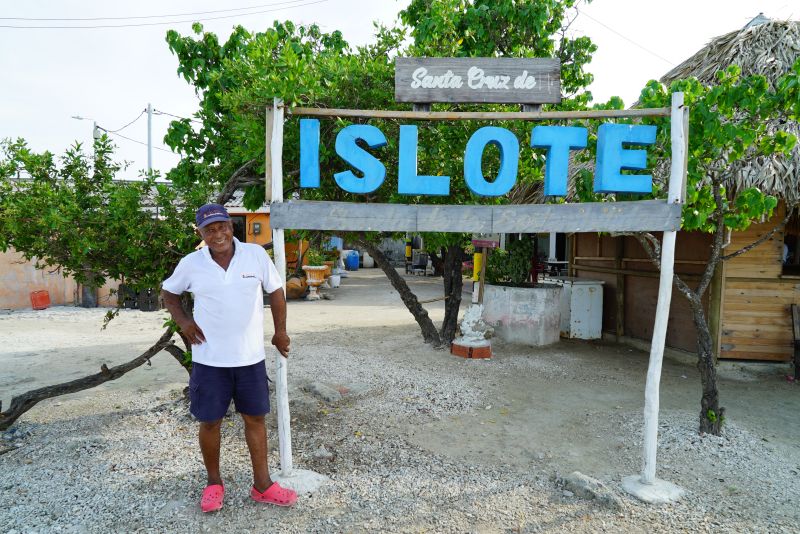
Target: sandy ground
x: 421, y: 441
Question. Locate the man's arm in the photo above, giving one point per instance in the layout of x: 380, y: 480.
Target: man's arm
x: 277, y: 305
x: 187, y: 325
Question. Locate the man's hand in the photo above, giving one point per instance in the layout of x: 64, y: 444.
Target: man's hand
x: 281, y: 342
x: 192, y: 332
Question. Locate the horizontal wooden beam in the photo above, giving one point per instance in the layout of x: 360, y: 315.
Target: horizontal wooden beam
x: 630, y: 272
x: 643, y: 215
x: 636, y: 260
x: 480, y: 115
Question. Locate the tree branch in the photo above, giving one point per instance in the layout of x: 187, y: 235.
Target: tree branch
x: 763, y: 238
x: 22, y: 403
x: 233, y: 183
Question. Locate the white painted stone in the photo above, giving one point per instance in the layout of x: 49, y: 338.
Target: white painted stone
x: 659, y: 492
x: 474, y: 331
x: 302, y: 481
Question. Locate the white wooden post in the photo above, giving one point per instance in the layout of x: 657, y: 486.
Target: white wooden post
x: 301, y: 480
x: 647, y: 487
x: 552, y: 246
x: 275, y: 164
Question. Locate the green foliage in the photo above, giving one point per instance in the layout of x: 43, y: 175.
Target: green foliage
x: 314, y: 257
x: 512, y: 266
x: 728, y: 126
x: 71, y: 214
x: 236, y: 81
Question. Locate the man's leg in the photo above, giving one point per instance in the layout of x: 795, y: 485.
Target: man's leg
x: 209, y: 437
x: 255, y: 433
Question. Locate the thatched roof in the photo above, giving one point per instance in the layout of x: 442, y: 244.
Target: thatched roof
x: 764, y: 47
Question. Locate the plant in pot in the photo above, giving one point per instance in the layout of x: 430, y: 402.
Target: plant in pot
x: 315, y: 271
x: 520, y: 311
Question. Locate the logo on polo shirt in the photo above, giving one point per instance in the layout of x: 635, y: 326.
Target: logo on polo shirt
x: 248, y: 275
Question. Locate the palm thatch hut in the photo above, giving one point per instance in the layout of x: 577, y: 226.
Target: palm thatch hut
x: 749, y: 302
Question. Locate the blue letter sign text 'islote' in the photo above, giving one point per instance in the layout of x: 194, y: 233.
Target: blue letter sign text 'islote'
x: 613, y: 157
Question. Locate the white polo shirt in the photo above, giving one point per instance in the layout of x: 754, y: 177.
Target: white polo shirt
x: 228, y: 305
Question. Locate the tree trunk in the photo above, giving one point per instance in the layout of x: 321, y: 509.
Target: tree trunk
x: 88, y: 296
x: 453, y: 286
x: 429, y: 333
x: 22, y: 403
x: 438, y: 262
x: 711, y: 414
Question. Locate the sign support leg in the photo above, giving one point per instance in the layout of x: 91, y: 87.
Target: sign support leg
x: 300, y: 480
x: 646, y: 486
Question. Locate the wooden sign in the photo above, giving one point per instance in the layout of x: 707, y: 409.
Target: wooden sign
x: 478, y: 80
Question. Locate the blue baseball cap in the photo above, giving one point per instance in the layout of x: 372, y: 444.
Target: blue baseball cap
x: 211, y: 213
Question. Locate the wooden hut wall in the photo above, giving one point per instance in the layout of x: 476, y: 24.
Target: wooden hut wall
x: 630, y: 292
x: 756, y: 298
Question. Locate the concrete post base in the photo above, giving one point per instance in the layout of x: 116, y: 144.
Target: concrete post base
x: 302, y: 481
x: 659, y: 492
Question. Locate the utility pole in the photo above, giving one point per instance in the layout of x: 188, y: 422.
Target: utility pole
x: 149, y: 138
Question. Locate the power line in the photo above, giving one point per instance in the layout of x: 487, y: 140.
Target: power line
x: 612, y: 30
x: 159, y: 112
x: 136, y: 141
x: 149, y: 16
x: 165, y: 22
x: 134, y: 120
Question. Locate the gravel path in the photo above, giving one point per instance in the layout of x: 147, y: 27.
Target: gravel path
x: 418, y: 441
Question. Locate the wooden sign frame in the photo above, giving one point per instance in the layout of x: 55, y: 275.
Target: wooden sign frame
x: 647, y: 215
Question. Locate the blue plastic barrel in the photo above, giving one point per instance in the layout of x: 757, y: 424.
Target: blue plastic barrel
x: 351, y: 262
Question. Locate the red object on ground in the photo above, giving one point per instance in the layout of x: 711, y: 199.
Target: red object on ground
x: 212, y: 498
x: 40, y: 300
x: 464, y: 351
x: 275, y: 494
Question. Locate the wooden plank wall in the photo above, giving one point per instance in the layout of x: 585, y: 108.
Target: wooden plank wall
x: 756, y: 301
x: 594, y: 258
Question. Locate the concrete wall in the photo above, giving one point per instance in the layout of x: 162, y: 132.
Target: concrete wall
x: 19, y: 278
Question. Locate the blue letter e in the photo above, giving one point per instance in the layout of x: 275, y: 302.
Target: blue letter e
x: 360, y: 159
x: 612, y: 157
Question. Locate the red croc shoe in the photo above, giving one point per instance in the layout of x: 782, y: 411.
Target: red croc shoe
x: 212, y: 498
x: 275, y: 494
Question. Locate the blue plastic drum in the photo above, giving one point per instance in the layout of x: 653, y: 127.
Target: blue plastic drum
x: 351, y: 261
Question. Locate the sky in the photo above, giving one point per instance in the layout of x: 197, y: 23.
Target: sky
x: 110, y: 74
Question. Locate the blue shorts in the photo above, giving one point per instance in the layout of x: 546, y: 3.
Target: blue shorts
x: 212, y: 388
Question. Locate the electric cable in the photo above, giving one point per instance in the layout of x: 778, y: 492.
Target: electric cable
x: 134, y: 120
x: 102, y: 26
x: 136, y: 141
x: 609, y: 28
x: 159, y: 112
x: 84, y: 19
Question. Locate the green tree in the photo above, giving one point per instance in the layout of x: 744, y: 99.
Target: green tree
x: 72, y: 214
x: 305, y: 67
x: 732, y: 123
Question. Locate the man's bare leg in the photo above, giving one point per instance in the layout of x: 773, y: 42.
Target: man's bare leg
x: 209, y: 436
x: 255, y: 433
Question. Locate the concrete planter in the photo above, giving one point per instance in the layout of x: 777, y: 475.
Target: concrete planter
x: 525, y: 315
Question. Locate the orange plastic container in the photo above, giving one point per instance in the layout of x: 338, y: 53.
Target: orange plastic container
x: 40, y: 300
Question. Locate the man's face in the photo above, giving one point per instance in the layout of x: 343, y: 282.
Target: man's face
x: 218, y: 236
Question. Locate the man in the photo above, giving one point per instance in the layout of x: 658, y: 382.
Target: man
x: 226, y: 278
